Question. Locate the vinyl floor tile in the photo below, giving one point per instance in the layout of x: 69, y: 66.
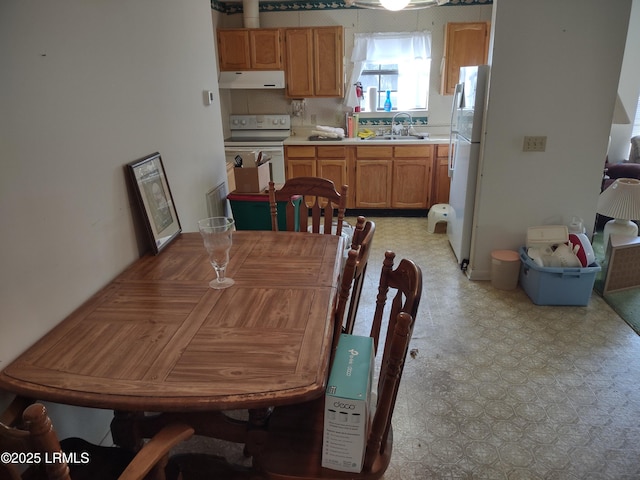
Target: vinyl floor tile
x: 500, y: 388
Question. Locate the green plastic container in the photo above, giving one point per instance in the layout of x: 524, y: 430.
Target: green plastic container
x: 251, y: 211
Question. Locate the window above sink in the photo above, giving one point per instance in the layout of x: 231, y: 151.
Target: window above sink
x: 396, y: 62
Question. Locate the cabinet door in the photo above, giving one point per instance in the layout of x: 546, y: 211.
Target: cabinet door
x: 334, y: 170
x: 466, y: 44
x: 328, y: 47
x: 266, y: 49
x: 442, y: 182
x: 299, y: 61
x: 301, y: 168
x: 233, y: 49
x: 373, y: 180
x: 411, y: 183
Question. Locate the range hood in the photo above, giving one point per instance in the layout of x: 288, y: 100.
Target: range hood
x: 252, y: 79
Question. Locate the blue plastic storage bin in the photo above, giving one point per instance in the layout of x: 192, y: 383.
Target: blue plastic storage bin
x: 556, y: 286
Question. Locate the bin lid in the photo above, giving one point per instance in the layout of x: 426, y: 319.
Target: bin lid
x: 547, y: 235
x: 506, y: 255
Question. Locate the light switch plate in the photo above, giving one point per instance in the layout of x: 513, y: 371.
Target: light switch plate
x: 534, y: 144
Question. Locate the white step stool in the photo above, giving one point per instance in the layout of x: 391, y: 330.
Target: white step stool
x: 437, y: 213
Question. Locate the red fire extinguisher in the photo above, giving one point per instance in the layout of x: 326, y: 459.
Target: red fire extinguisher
x: 359, y: 95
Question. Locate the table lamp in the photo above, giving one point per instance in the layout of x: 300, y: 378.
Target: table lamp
x: 621, y: 201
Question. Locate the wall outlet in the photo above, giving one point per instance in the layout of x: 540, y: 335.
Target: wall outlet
x: 534, y: 144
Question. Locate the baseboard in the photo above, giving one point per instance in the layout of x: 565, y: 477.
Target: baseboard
x: 478, y: 274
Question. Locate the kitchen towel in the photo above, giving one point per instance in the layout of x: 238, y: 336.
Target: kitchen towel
x: 333, y: 132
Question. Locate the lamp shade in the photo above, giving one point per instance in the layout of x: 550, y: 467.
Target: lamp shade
x: 621, y: 200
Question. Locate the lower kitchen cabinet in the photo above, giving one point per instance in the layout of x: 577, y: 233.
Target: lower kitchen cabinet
x: 378, y: 176
x: 411, y: 186
x: 373, y: 183
x: 332, y: 162
x: 374, y: 171
x: 300, y: 161
x: 329, y: 162
x: 301, y: 168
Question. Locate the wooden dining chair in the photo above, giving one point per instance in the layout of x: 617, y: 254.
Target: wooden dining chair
x: 293, y: 443
x: 362, y: 239
x: 26, y: 433
x: 346, y: 282
x: 323, y: 198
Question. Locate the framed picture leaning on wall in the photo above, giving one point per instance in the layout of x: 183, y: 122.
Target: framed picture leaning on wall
x: 154, y: 197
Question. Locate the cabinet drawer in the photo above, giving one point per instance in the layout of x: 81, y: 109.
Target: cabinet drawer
x: 332, y: 151
x: 296, y: 151
x: 374, y: 152
x: 419, y: 151
x: 442, y: 150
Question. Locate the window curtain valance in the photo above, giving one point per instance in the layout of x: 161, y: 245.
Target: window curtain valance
x: 387, y: 47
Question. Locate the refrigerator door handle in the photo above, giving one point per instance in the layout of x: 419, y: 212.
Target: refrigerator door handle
x: 454, y: 125
x: 452, y: 156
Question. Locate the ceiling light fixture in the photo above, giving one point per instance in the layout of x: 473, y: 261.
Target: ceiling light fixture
x: 394, y: 5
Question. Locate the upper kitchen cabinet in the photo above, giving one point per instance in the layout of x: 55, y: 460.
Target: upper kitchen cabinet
x: 466, y: 44
x: 250, y: 49
x: 314, y: 59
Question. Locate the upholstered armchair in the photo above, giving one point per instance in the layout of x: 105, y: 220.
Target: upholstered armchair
x: 625, y: 169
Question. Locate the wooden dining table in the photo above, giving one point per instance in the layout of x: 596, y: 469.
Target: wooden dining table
x: 158, y: 339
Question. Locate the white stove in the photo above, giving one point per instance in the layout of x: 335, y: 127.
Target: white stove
x: 266, y: 133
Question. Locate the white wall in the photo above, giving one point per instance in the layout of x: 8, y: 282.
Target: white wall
x: 554, y: 71
x: 87, y: 86
x: 331, y: 111
x: 628, y: 89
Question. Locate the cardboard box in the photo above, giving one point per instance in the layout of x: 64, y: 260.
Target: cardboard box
x: 252, y: 179
x: 347, y: 409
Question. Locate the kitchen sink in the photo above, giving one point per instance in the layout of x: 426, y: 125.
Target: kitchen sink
x: 388, y: 138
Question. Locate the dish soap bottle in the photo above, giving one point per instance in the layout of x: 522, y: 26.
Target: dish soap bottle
x: 387, y: 102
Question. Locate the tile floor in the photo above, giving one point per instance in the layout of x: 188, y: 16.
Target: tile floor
x: 501, y: 388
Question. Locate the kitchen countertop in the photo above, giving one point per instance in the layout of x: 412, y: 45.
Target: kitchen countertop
x: 304, y: 140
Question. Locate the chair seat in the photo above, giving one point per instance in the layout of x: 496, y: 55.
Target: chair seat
x: 27, y: 428
x: 296, y: 432
x: 293, y: 445
x: 104, y: 463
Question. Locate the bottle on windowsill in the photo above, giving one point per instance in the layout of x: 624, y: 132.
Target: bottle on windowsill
x: 387, y: 102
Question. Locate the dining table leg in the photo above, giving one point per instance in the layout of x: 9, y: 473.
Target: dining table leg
x: 257, y: 431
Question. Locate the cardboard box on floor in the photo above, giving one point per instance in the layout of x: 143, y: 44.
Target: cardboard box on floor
x: 347, y: 409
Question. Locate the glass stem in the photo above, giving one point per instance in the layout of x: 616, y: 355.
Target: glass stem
x: 220, y: 273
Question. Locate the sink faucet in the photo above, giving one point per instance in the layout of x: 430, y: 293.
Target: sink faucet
x: 393, y: 121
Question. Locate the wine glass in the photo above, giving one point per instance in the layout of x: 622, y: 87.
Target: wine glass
x: 216, y: 233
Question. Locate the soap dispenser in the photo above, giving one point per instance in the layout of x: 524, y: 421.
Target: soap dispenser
x: 387, y: 102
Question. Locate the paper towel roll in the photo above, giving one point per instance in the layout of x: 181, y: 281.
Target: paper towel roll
x: 372, y: 97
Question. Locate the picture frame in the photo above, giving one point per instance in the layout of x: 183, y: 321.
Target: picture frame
x: 154, y: 197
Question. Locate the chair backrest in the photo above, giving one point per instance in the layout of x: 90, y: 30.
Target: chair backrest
x: 318, y: 195
x: 362, y: 238
x: 406, y: 279
x: 346, y: 282
x: 33, y: 436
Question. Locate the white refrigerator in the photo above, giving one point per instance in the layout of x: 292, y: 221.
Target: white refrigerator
x: 464, y: 155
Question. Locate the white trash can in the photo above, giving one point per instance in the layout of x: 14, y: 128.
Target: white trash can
x: 505, y: 269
